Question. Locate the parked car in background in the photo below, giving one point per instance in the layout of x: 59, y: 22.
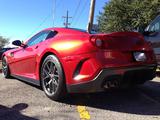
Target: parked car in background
x: 2, y: 50
x: 65, y: 60
x: 152, y: 34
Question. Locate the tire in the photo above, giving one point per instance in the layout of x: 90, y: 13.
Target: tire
x: 52, y: 78
x: 5, y: 68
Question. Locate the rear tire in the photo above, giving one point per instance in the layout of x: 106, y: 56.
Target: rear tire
x: 52, y: 78
x: 5, y: 68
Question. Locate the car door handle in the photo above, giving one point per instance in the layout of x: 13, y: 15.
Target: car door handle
x: 12, y: 54
x: 36, y: 47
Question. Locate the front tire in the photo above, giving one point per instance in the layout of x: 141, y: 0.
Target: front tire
x: 52, y: 78
x: 5, y: 68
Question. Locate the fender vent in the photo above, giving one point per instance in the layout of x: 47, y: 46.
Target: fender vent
x: 78, y: 68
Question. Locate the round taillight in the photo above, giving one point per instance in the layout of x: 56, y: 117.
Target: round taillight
x: 98, y: 42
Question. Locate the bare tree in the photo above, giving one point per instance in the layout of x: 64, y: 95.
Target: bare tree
x: 3, y: 41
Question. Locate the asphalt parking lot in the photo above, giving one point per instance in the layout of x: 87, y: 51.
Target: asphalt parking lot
x: 21, y: 101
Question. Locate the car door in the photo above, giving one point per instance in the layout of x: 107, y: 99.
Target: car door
x: 25, y: 58
x: 154, y: 37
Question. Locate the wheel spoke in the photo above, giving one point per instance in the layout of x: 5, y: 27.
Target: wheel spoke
x: 48, y: 83
x: 55, y: 82
x: 54, y: 69
x: 50, y: 77
x: 47, y: 66
x: 4, y: 67
x: 44, y: 71
x: 51, y: 67
x: 51, y: 87
x: 47, y: 76
x: 3, y: 63
x: 55, y: 85
x: 56, y: 76
x: 54, y: 88
x: 4, y: 70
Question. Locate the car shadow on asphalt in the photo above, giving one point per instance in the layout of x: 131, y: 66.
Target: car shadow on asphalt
x: 141, y: 100
x: 14, y: 113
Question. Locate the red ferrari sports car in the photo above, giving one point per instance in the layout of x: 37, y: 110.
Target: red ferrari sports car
x: 65, y: 60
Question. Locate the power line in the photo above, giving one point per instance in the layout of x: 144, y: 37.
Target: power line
x: 54, y: 11
x: 75, y: 13
x: 44, y: 20
x: 82, y: 10
x: 56, y: 6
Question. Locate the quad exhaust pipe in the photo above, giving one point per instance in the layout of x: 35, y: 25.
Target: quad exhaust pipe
x: 111, y: 84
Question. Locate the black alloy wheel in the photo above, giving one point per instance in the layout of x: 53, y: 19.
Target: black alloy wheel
x: 52, y: 78
x: 5, y: 68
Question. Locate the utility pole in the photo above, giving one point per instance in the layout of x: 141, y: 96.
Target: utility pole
x: 66, y: 24
x: 91, y: 16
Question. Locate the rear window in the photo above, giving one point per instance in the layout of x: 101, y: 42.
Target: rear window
x: 81, y: 30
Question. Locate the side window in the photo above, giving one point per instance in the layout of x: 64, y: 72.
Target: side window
x: 155, y: 26
x: 38, y: 38
x: 52, y: 34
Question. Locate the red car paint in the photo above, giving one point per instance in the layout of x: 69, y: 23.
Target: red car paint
x: 73, y: 46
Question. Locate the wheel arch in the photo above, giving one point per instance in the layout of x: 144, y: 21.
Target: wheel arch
x: 3, y: 55
x: 7, y: 74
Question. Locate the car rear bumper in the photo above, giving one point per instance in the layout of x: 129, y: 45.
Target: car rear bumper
x: 115, y: 77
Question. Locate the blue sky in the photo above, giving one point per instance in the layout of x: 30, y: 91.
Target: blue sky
x: 20, y: 19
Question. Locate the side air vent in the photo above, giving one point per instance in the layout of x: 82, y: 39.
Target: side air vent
x: 78, y: 68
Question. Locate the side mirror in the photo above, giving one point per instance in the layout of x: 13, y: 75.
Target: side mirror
x: 18, y: 43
